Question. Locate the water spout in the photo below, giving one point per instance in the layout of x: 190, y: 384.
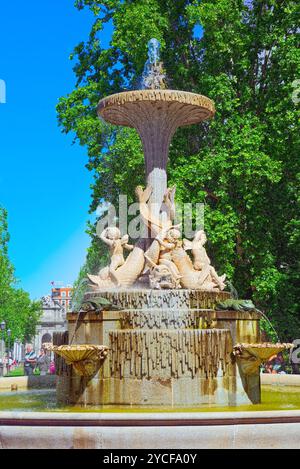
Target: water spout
x: 153, y: 75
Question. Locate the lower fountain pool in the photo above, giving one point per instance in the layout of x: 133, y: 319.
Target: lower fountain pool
x: 274, y: 397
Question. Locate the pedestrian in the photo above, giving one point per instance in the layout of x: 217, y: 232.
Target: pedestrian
x: 5, y: 365
x: 29, y: 360
x: 275, y: 364
x: 43, y: 362
x: 9, y: 363
x: 52, y: 368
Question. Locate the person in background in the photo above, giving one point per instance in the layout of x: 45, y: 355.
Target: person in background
x: 9, y: 363
x: 5, y: 365
x: 275, y: 364
x: 29, y: 360
x: 278, y: 366
x: 52, y: 368
x: 43, y: 362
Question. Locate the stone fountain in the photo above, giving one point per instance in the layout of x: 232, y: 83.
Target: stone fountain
x: 161, y: 339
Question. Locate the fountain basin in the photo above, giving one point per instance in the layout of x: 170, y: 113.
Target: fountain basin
x: 275, y: 421
x: 152, y: 431
x: 280, y: 392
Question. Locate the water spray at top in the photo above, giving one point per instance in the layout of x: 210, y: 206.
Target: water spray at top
x: 153, y: 77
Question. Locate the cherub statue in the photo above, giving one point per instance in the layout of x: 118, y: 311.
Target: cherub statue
x: 201, y: 260
x: 168, y: 240
x: 112, y: 237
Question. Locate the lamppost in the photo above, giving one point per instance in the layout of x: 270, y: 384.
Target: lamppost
x: 2, y: 328
x: 8, y: 364
x: 8, y: 332
x: 18, y: 355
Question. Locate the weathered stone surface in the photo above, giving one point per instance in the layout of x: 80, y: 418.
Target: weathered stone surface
x: 164, y: 393
x: 166, y: 353
x: 166, y: 348
x: 168, y: 299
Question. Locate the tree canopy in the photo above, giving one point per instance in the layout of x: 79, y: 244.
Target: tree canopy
x: 16, y: 309
x: 244, y: 164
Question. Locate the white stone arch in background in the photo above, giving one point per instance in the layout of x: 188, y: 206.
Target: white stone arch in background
x: 46, y: 338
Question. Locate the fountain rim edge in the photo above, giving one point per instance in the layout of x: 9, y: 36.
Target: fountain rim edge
x: 198, y: 418
x: 179, y: 96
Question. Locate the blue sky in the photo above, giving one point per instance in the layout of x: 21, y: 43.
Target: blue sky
x: 43, y: 181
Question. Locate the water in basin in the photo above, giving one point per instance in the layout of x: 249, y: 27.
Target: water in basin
x: 274, y: 397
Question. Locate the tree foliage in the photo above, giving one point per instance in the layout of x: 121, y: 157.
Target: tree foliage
x: 16, y: 309
x: 244, y: 164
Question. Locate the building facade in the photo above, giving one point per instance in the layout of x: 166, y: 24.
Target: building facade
x: 63, y: 296
x: 53, y: 318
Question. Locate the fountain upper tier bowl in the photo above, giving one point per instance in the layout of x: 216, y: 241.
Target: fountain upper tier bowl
x: 134, y: 108
x: 156, y: 114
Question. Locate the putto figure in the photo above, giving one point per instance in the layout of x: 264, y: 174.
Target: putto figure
x: 201, y: 260
x: 112, y: 237
x: 164, y: 273
x: 111, y: 274
x: 168, y: 241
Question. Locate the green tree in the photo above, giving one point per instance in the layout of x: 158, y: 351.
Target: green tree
x: 244, y: 165
x: 16, y: 309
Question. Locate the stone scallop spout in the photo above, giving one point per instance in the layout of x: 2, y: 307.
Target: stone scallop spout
x: 251, y: 356
x: 85, y: 358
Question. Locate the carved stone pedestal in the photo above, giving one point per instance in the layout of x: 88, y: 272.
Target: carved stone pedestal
x: 167, y: 348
